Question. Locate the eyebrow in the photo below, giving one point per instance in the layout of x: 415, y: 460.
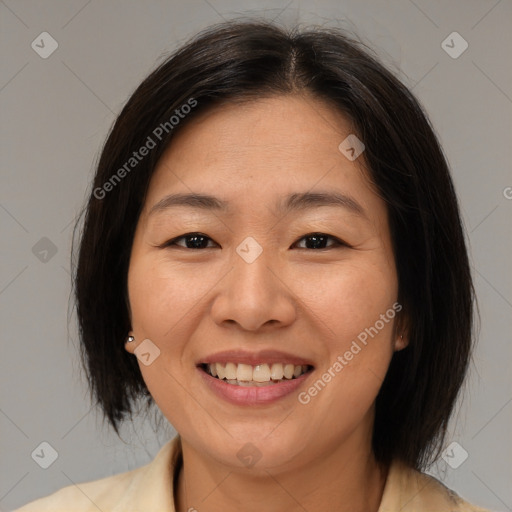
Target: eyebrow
x: 292, y: 203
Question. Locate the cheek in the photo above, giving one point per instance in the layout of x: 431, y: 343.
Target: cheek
x: 358, y: 304
x: 350, y: 297
x: 160, y: 294
x: 160, y: 298
x: 356, y: 308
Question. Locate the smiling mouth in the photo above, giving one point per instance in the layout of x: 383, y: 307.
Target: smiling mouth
x: 259, y: 375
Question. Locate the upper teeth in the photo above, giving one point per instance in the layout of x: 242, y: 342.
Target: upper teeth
x: 258, y: 373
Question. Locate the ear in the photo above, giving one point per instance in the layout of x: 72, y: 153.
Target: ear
x: 402, y: 330
x: 130, y: 345
x: 401, y: 341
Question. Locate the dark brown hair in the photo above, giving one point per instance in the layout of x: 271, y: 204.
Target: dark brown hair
x: 242, y: 60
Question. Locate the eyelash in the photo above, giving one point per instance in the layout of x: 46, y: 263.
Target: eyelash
x: 172, y: 242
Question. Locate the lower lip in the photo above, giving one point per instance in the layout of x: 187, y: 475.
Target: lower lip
x: 252, y: 395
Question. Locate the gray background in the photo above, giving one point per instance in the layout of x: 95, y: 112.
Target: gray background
x: 55, y: 115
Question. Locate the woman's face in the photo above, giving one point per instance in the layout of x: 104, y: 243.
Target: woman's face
x: 253, y: 296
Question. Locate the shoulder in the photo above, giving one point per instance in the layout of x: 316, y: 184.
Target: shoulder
x: 409, y: 490
x: 150, y: 485
x: 86, y: 496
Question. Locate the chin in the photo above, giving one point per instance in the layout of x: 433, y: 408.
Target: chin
x: 253, y: 448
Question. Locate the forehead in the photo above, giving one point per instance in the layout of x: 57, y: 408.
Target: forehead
x: 277, y: 128
x: 273, y: 146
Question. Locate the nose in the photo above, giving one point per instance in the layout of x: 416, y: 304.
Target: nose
x: 255, y: 295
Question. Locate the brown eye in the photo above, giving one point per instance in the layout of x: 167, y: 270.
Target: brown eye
x: 192, y: 241
x: 319, y: 240
x: 195, y: 241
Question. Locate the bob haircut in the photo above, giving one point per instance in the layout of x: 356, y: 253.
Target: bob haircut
x: 241, y: 61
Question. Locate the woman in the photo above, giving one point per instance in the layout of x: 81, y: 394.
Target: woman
x: 273, y: 254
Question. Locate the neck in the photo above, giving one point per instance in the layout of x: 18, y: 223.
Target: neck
x: 346, y: 478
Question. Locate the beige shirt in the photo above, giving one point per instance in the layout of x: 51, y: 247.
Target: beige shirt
x: 150, y: 489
